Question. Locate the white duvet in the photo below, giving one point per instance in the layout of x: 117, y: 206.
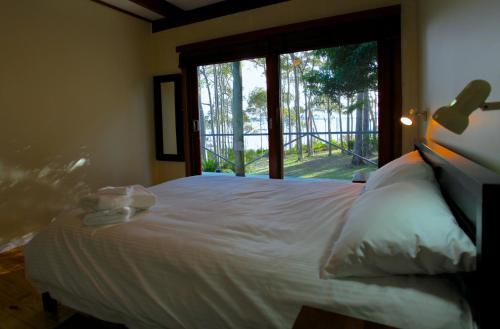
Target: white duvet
x: 227, y: 252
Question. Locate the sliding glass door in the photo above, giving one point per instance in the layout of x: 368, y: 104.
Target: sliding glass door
x: 318, y: 99
x: 233, y: 120
x: 329, y: 114
x: 329, y: 110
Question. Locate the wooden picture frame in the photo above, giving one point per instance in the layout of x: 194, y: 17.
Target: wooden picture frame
x: 168, y: 116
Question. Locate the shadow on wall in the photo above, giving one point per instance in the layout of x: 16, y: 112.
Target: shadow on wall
x: 32, y: 198
x: 480, y: 142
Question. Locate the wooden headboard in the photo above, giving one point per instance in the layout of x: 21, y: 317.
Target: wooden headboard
x: 472, y: 192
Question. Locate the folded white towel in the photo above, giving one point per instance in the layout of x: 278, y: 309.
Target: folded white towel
x: 135, y: 196
x: 140, y: 197
x: 115, y: 190
x: 110, y: 216
x: 103, y: 202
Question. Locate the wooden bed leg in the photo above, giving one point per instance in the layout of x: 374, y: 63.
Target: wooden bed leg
x: 49, y: 303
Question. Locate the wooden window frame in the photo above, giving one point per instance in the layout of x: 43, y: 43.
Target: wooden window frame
x: 382, y: 25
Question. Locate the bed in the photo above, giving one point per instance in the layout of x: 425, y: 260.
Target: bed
x: 230, y: 252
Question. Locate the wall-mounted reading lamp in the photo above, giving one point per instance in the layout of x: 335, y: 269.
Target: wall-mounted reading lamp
x: 409, y: 119
x: 455, y: 116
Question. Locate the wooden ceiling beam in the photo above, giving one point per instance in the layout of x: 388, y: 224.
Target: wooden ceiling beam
x: 217, y: 9
x: 121, y: 10
x: 161, y: 7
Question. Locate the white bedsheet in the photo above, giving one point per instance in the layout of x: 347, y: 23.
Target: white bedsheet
x: 227, y: 252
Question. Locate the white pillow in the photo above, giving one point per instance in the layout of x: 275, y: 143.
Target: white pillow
x: 402, y: 228
x: 407, y: 167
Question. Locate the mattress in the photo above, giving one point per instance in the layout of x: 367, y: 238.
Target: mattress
x: 228, y: 252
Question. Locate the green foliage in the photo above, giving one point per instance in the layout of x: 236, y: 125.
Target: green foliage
x: 209, y: 165
x: 253, y: 154
x: 257, y: 99
x: 319, y: 146
x: 345, y: 70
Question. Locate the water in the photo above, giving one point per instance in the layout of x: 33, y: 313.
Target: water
x: 30, y: 198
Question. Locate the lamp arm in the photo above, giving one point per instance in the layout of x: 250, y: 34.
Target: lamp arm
x: 422, y: 114
x: 491, y: 106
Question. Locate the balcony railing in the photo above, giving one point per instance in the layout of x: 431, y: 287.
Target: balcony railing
x: 315, y: 135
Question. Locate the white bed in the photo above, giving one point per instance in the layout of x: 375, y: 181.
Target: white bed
x: 227, y: 252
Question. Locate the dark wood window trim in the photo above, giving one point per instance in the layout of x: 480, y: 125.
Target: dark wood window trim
x: 382, y: 25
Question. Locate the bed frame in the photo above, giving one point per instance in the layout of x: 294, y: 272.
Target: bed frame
x: 471, y: 192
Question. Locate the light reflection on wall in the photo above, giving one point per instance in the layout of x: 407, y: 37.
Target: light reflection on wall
x: 32, y: 198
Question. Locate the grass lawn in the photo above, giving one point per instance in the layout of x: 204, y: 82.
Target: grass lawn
x: 336, y: 166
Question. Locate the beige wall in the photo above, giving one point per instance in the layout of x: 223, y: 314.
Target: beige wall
x: 165, y: 58
x: 459, y: 42
x: 74, y: 81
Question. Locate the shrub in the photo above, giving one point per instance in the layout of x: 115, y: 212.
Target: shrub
x: 319, y: 146
x: 209, y: 165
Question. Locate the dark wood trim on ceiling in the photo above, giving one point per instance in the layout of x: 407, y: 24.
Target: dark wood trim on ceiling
x: 376, y: 24
x: 122, y: 10
x: 215, y: 10
x: 161, y: 7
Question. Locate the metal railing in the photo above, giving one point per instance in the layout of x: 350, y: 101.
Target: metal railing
x: 302, y: 134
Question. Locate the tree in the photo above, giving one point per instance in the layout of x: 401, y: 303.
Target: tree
x: 237, y: 120
x: 257, y: 105
x: 359, y: 130
x: 296, y: 63
x: 286, y: 96
x: 348, y: 70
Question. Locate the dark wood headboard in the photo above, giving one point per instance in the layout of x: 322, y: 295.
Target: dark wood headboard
x: 473, y: 194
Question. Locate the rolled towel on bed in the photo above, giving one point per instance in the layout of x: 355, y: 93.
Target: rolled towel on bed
x: 115, y: 190
x: 135, y: 196
x: 104, y: 202
x: 140, y: 197
x: 110, y: 216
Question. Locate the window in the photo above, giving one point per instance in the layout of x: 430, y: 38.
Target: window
x: 329, y: 110
x: 298, y: 83
x: 233, y: 118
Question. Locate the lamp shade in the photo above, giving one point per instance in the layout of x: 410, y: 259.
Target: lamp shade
x: 455, y: 117
x: 449, y: 118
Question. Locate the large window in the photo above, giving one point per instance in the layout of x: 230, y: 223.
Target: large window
x: 314, y: 100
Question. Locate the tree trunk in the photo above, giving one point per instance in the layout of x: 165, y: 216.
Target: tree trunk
x: 340, y: 127
x: 237, y: 114
x: 216, y: 117
x: 366, y: 124
x: 375, y: 118
x: 312, y: 127
x: 348, y: 123
x: 307, y: 122
x: 202, y: 129
x: 329, y: 113
x: 351, y: 129
x: 210, y: 103
x: 358, y: 141
x: 223, y: 115
x: 297, y: 109
x: 289, y: 109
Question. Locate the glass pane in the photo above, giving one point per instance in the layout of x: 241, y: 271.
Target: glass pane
x: 233, y: 118
x: 329, y: 103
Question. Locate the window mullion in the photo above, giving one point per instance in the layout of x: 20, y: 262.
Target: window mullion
x: 274, y: 115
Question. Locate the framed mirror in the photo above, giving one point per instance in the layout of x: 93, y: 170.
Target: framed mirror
x: 168, y: 118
